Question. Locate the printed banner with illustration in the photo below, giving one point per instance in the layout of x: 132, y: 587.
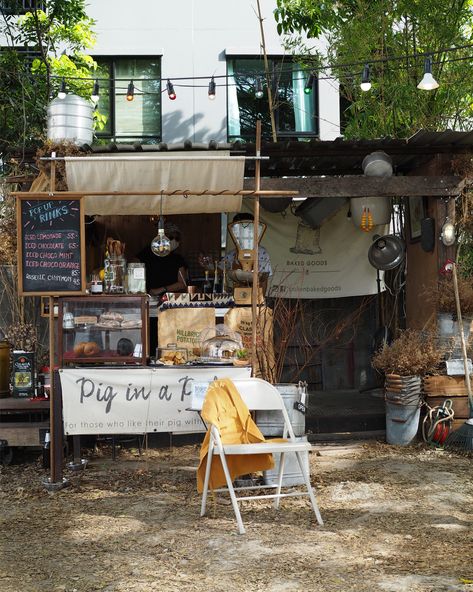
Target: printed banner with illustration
x: 135, y: 401
x: 328, y: 262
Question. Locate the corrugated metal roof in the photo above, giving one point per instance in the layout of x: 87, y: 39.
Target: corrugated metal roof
x: 322, y: 157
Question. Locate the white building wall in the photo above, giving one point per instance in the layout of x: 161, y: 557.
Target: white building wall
x: 192, y: 36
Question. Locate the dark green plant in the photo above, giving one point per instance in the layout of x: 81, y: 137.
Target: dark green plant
x: 391, y: 34
x: 42, y: 47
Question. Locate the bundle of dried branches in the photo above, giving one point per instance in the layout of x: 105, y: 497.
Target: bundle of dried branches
x: 446, y: 295
x: 412, y: 353
x: 61, y: 149
x: 298, y: 328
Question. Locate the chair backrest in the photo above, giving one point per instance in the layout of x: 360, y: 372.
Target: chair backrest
x: 260, y: 395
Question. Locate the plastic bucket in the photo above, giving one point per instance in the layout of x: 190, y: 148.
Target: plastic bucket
x: 402, y: 421
x: 271, y: 422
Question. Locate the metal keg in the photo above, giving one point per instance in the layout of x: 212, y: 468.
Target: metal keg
x: 71, y: 119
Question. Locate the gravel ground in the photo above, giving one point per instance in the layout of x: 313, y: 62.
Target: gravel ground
x: 396, y: 520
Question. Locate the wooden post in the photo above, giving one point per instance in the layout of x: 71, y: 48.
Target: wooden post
x: 254, y: 295
x: 56, y: 439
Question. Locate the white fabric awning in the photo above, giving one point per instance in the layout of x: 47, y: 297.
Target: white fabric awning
x: 185, y: 172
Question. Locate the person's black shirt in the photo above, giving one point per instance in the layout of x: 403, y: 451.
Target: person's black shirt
x: 161, y: 271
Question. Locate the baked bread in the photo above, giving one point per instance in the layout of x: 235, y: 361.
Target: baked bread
x: 111, y: 316
x: 91, y: 348
x: 108, y: 324
x: 79, y: 348
x: 131, y: 324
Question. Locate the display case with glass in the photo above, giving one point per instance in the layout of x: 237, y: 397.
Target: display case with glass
x: 108, y: 329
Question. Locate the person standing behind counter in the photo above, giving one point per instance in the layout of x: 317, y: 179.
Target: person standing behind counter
x: 169, y: 273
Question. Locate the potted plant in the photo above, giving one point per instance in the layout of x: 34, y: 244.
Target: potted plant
x: 242, y: 357
x: 404, y: 362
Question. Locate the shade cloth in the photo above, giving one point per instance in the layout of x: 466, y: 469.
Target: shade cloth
x: 213, y: 172
x: 224, y: 408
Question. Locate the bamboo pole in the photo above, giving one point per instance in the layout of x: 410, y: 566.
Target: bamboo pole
x: 462, y: 335
x: 254, y: 293
x: 189, y: 192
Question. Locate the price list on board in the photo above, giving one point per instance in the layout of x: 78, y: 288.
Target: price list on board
x: 51, y: 246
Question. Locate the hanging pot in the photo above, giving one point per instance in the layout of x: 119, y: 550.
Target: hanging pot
x: 275, y: 205
x: 377, y: 164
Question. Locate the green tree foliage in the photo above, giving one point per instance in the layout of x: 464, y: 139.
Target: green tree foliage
x: 42, y: 46
x: 390, y: 34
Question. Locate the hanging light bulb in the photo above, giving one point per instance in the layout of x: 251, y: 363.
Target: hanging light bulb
x: 95, y: 93
x: 130, y: 93
x: 62, y: 91
x: 212, y: 89
x: 161, y: 245
x: 170, y: 89
x: 365, y: 79
x: 309, y: 84
x: 428, y: 82
x: 258, y: 88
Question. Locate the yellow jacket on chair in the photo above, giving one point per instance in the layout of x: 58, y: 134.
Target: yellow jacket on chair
x: 224, y: 408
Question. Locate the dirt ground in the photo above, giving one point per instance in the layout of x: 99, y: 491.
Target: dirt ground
x: 396, y: 520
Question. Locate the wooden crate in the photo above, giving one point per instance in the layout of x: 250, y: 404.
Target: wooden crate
x: 453, y: 386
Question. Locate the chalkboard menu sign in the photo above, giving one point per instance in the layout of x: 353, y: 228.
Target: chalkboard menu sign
x: 51, y: 245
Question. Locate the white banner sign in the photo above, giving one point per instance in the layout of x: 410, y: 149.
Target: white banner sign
x: 135, y: 400
x: 327, y: 262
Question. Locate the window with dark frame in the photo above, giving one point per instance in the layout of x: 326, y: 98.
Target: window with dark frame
x: 295, y: 111
x: 136, y: 120
x: 20, y: 6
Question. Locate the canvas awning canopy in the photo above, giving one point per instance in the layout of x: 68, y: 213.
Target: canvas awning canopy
x: 181, y: 172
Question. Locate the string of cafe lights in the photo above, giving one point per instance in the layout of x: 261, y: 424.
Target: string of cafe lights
x: 428, y: 82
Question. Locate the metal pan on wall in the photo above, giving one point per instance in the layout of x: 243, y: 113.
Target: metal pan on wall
x: 386, y: 252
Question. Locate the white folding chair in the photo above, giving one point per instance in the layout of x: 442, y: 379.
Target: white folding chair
x: 259, y: 395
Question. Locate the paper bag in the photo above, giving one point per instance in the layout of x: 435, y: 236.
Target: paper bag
x: 240, y: 319
x: 183, y: 326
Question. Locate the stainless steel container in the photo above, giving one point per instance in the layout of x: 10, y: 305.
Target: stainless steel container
x: 70, y: 119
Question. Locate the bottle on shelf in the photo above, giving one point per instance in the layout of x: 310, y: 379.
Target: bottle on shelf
x: 216, y: 287
x: 208, y: 288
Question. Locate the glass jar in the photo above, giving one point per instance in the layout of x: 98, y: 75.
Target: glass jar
x: 136, y: 278
x: 114, y: 275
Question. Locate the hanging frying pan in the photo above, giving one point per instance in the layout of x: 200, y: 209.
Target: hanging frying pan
x: 386, y: 252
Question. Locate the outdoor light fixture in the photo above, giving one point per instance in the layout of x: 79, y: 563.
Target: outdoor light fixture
x: 309, y: 84
x: 448, y: 234
x: 258, y: 88
x: 62, y: 91
x: 95, y: 93
x: 212, y: 89
x: 170, y: 89
x: 365, y: 79
x: 130, y: 93
x: 428, y: 82
x: 161, y: 245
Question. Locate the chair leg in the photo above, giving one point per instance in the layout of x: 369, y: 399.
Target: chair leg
x: 206, y: 480
x: 282, y: 459
x: 310, y: 491
x: 231, y: 491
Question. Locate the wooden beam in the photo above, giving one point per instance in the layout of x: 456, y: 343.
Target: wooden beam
x: 362, y: 186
